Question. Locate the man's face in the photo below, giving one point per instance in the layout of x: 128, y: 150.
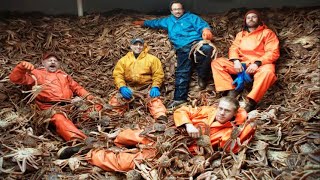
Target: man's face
x: 137, y: 47
x: 225, y: 112
x: 177, y: 10
x: 252, y: 20
x: 51, y: 64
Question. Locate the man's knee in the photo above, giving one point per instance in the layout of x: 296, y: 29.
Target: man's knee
x: 58, y: 117
x: 215, y: 63
x: 266, y: 73
x: 206, y: 49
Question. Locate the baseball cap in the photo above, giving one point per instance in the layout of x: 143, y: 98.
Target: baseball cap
x: 135, y: 40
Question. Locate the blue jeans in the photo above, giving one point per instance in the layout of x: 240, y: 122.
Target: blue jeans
x: 184, y: 69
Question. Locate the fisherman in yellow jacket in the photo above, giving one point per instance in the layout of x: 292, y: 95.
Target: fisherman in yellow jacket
x: 136, y: 71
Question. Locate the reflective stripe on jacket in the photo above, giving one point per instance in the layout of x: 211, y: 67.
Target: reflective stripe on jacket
x: 144, y: 70
x: 261, y: 44
x: 57, y: 86
x: 182, y: 31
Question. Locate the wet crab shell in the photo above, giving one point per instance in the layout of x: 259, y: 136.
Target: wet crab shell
x: 164, y: 161
x: 24, y: 153
x: 94, y: 115
x: 133, y: 175
x: 197, y: 160
x: 83, y: 107
x: 8, y: 119
x: 204, y: 141
x: 159, y: 127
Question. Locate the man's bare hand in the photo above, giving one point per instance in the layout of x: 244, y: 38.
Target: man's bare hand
x: 237, y: 66
x: 138, y: 23
x: 27, y: 66
x: 192, y: 131
x: 252, y: 68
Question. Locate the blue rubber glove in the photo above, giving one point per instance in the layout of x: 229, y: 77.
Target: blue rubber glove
x: 246, y: 77
x: 154, y: 92
x: 239, y: 82
x: 241, y: 79
x: 125, y: 92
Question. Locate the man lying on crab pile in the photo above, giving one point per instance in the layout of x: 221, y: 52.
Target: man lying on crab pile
x: 51, y: 89
x: 219, y: 122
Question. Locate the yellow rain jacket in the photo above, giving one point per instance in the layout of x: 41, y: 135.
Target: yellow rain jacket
x: 144, y: 70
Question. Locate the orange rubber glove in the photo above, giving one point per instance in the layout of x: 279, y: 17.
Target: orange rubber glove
x: 138, y: 23
x: 206, y: 34
x: 27, y: 66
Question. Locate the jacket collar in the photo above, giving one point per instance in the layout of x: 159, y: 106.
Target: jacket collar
x: 44, y: 69
x: 259, y: 28
x: 142, y: 54
x: 184, y: 14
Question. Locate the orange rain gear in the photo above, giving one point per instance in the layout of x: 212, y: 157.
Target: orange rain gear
x: 219, y: 133
x: 137, y: 73
x: 122, y: 161
x: 155, y: 106
x: 57, y: 86
x: 260, y: 45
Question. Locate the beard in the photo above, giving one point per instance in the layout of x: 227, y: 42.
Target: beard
x: 252, y: 24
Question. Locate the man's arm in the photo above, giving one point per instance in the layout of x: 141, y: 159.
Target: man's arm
x: 118, y: 73
x: 182, y: 116
x: 20, y: 75
x: 199, y: 24
x: 234, y: 53
x: 157, y: 73
x: 77, y: 88
x: 271, y: 48
x: 161, y: 23
x: 234, y: 48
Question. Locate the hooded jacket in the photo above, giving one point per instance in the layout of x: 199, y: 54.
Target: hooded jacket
x: 206, y: 115
x: 182, y: 31
x: 137, y: 72
x: 261, y: 44
x: 56, y: 86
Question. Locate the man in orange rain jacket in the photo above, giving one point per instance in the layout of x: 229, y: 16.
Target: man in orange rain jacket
x: 218, y: 118
x: 136, y: 71
x: 57, y: 87
x: 257, y: 47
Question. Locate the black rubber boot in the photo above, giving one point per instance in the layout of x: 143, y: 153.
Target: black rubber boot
x: 68, y: 151
x: 202, y: 83
x: 250, y: 105
x: 162, y: 119
x: 233, y: 93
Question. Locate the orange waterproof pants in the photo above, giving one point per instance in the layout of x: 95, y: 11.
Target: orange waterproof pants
x: 121, y: 161
x: 221, y: 136
x: 263, y: 78
x: 155, y: 107
x: 65, y: 127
